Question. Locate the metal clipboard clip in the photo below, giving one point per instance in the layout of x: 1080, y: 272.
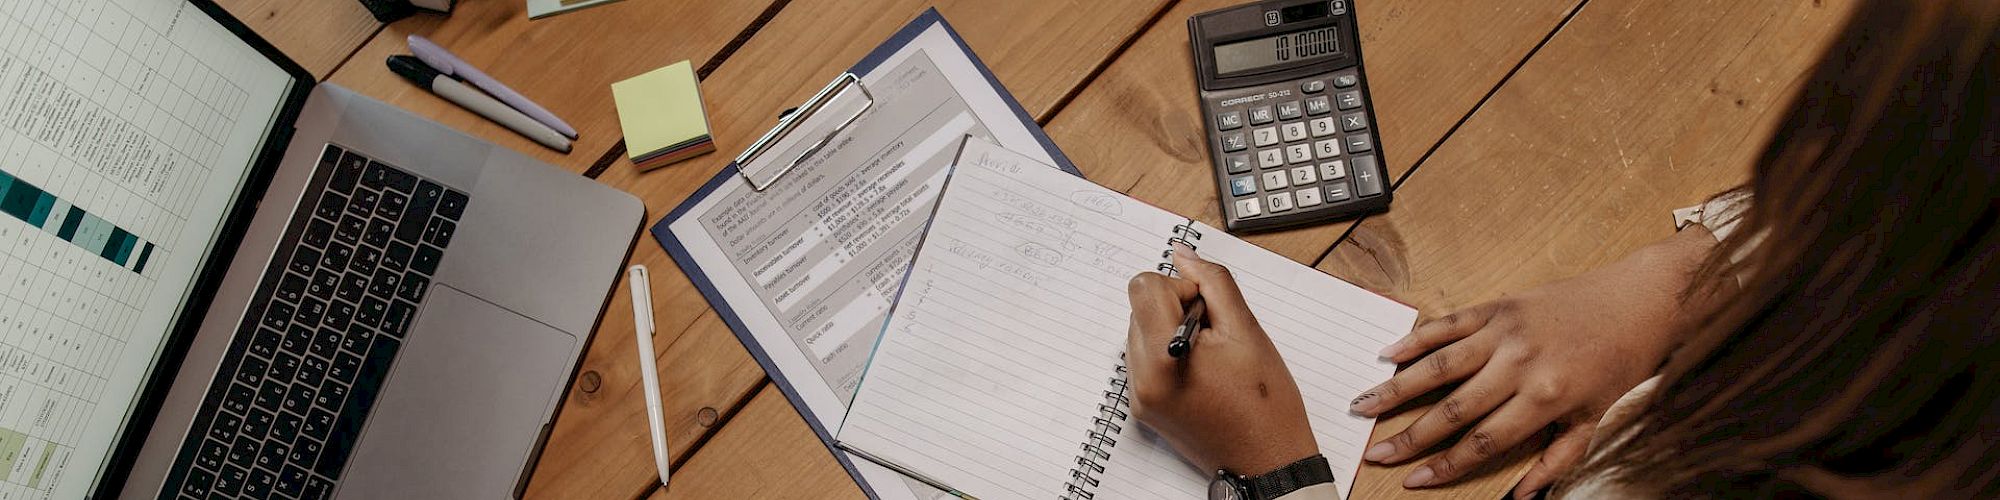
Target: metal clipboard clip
x: 796, y: 151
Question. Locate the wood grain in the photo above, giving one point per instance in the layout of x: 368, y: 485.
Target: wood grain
x: 1139, y: 127
x: 795, y: 54
x: 1637, y: 107
x: 319, y: 34
x: 566, y: 63
x: 765, y: 453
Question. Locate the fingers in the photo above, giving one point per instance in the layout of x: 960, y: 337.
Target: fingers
x: 1439, y: 332
x: 1509, y: 426
x: 1156, y: 311
x: 1563, y: 454
x: 1226, y: 308
x: 1452, y: 363
x: 1462, y: 407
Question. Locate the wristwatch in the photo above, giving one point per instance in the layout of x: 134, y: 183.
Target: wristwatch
x: 1310, y: 471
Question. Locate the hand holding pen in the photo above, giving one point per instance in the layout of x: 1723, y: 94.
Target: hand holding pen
x: 1228, y: 402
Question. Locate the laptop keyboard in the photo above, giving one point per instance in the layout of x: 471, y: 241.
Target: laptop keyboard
x: 306, y: 365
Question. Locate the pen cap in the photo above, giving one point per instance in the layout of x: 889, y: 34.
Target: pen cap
x: 413, y: 69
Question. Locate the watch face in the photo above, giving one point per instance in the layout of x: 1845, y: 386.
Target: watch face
x: 1221, y: 488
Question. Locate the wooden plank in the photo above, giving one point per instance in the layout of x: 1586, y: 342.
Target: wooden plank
x: 768, y: 452
x: 1139, y: 126
x: 565, y: 63
x: 316, y: 33
x: 1637, y: 107
x: 796, y: 53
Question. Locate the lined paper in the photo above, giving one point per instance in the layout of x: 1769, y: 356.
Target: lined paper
x: 1010, y: 329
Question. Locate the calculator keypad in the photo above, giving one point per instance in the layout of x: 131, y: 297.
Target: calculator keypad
x: 1309, y: 149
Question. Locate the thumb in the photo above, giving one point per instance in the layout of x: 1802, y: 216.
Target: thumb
x: 1226, y: 307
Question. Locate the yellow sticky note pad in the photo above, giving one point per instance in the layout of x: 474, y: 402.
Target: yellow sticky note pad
x: 661, y: 112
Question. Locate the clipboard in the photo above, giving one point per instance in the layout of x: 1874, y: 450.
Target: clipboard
x: 798, y: 137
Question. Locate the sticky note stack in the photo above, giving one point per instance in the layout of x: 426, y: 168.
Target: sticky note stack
x: 662, y: 117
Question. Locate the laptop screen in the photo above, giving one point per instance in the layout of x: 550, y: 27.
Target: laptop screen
x: 127, y: 131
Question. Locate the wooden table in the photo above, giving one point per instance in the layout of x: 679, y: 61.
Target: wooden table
x: 1529, y: 140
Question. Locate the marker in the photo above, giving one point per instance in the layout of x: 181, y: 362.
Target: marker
x: 1184, y: 335
x: 449, y: 64
x: 470, y: 98
x: 649, y: 370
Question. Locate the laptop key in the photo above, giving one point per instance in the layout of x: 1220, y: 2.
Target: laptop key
x: 343, y: 368
x: 265, y: 342
x: 347, y: 173
x: 304, y: 261
x: 212, y: 454
x: 333, y: 393
x: 384, y: 284
x: 316, y: 489
x: 272, y: 457
x: 244, y: 452
x: 363, y: 203
x: 294, y: 344
x: 311, y: 371
x: 323, y: 283
x: 397, y: 256
x: 318, y: 232
x: 305, y: 450
x: 350, y: 229
x: 311, y: 311
x: 379, y: 232
x: 440, y: 231
x: 230, y: 480
x: 318, y: 423
x: 278, y: 314
x: 370, y: 314
x: 391, y: 177
x: 286, y: 429
x: 426, y: 259
x: 270, y: 396
x: 452, y: 204
x: 300, y: 399
x: 292, y: 287
x: 339, y: 315
x: 352, y: 287
x: 251, y: 371
x: 198, y: 482
x: 355, y: 341
x: 413, y: 288
x: 336, y: 256
x: 259, y: 485
x: 392, y: 205
x: 331, y: 205
x: 422, y: 203
x: 291, y: 481
x: 365, y: 259
x: 224, y: 427
x: 257, y: 424
x: 398, y: 319
x: 325, y: 344
x: 239, y: 398
x: 354, y: 413
x: 284, y: 368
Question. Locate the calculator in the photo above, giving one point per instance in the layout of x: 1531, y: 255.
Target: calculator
x: 1291, y: 130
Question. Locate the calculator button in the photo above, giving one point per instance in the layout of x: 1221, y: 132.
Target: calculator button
x: 1367, y: 176
x: 1359, y: 144
x: 1318, y: 106
x: 1265, y: 136
x: 1229, y: 121
x: 1271, y: 158
x: 1280, y: 202
x: 1353, y: 122
x: 1248, y: 208
x: 1349, y: 100
x: 1289, y: 111
x: 1298, y: 153
x: 1233, y: 142
x: 1333, y: 170
x: 1327, y: 149
x: 1304, y: 175
x: 1242, y: 186
x: 1294, y: 131
x: 1237, y: 164
x: 1322, y: 127
x: 1274, y: 180
x: 1308, y: 197
x: 1345, y: 81
x: 1313, y: 87
x: 1336, y: 193
x: 1260, y: 115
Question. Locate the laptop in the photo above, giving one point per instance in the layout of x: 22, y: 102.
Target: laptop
x: 224, y: 279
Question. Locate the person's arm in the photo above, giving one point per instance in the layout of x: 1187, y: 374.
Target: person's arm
x: 1554, y: 355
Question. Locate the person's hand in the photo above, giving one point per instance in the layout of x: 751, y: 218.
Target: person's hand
x: 1230, y: 404
x: 1559, y: 355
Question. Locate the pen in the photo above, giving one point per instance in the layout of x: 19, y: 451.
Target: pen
x: 904, y: 471
x: 446, y: 62
x: 450, y: 89
x: 1184, y: 335
x: 649, y: 370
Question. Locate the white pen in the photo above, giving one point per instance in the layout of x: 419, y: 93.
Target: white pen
x: 470, y: 98
x: 649, y: 370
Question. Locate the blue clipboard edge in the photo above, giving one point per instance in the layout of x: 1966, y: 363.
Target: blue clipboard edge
x: 662, y: 231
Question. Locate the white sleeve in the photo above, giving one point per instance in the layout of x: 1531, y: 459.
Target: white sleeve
x: 1721, y: 215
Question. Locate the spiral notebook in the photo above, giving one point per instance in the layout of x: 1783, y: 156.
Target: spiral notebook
x: 998, y: 373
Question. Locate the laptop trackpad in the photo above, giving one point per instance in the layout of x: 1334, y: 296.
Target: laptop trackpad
x: 463, y: 405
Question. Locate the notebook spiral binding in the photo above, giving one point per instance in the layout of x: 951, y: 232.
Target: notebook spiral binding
x: 1113, y: 413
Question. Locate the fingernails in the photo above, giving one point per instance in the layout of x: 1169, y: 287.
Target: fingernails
x: 1391, y: 350
x: 1363, y: 404
x: 1380, y: 452
x: 1420, y: 478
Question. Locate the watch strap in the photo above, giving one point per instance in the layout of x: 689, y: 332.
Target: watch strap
x: 1310, y: 471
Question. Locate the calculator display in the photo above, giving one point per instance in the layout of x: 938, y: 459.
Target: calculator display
x: 1286, y: 49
